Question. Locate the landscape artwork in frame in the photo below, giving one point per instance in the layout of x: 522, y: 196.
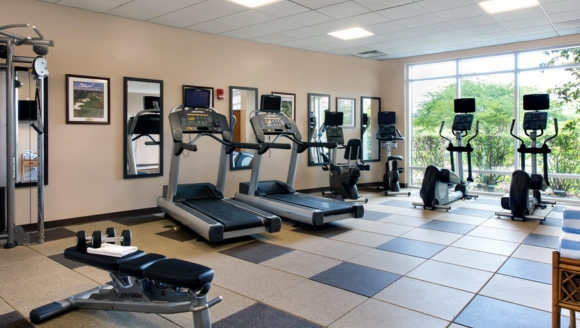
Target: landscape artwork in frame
x: 348, y: 107
x: 87, y: 100
x: 288, y: 103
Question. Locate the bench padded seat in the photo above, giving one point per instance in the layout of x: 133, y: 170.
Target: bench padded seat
x: 108, y: 263
x: 136, y: 266
x: 179, y: 273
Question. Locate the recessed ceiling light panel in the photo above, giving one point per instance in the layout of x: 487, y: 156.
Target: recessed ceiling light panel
x: 500, y: 6
x: 351, y: 33
x: 253, y: 3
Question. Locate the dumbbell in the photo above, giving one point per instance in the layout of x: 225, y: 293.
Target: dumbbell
x: 97, y: 239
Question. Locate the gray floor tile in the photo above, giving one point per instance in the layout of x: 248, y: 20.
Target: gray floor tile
x: 398, y: 203
x: 363, y: 238
x: 542, y: 241
x: 448, y: 226
x: 375, y: 216
x: 67, y: 263
x: 14, y: 320
x: 451, y: 275
x: 262, y: 316
x: 183, y: 234
x: 473, y: 212
x: 257, y: 251
x: 530, y: 270
x: 534, y: 253
x: 324, y: 231
x: 356, y: 278
x: 483, y: 201
x: 301, y: 263
x: 387, y: 261
x: 470, y: 258
x: 135, y: 220
x: 553, y: 222
x: 412, y: 247
x: 519, y: 291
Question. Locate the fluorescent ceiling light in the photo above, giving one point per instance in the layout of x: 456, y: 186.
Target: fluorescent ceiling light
x: 499, y: 6
x: 351, y: 33
x: 253, y: 3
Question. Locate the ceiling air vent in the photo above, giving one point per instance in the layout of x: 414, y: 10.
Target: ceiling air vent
x: 370, y: 54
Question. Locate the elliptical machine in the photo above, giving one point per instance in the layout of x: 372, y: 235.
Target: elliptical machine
x: 387, y: 135
x: 437, y: 182
x: 518, y: 201
x: 344, y: 176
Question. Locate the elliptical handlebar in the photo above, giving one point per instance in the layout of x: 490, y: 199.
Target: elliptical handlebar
x: 400, y: 137
x: 512, y: 132
x: 441, y: 133
x: 476, y: 132
x: 555, y: 135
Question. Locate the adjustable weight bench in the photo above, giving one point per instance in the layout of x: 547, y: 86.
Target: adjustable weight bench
x: 148, y: 283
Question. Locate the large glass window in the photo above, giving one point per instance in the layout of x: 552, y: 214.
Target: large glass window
x: 495, y: 82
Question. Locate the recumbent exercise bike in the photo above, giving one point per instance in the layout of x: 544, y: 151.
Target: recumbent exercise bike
x: 387, y: 135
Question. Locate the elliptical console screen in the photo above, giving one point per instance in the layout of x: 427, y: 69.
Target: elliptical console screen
x: 333, y: 118
x: 535, y: 120
x: 334, y: 134
x: 197, y: 98
x: 462, y: 122
x: 386, y: 118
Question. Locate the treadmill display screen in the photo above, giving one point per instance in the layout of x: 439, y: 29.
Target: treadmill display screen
x: 197, y: 98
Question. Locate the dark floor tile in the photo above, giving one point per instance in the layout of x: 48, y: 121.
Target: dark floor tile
x: 487, y: 312
x: 67, y: 263
x: 559, y: 208
x: 374, y: 216
x: 473, y: 212
x: 531, y: 270
x: 257, y: 251
x: 262, y: 316
x: 493, y: 202
x: 54, y: 234
x: 412, y: 247
x: 542, y: 241
x: 371, y: 189
x: 356, y: 278
x: 182, y: 234
x: 453, y: 227
x: 553, y: 222
x: 398, y: 203
x: 14, y: 320
x: 135, y: 220
x: 324, y: 231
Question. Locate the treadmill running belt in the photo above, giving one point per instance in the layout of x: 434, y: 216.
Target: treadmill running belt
x: 232, y: 217
x: 327, y: 206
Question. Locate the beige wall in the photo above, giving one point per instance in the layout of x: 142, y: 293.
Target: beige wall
x: 86, y: 161
x: 393, y: 76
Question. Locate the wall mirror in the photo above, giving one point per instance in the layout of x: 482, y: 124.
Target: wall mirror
x: 143, y: 128
x: 317, y: 105
x: 371, y: 146
x: 27, y: 154
x: 243, y: 101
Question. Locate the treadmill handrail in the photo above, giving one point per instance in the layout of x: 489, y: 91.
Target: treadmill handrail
x: 231, y: 145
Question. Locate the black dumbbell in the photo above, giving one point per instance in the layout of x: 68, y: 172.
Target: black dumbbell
x: 97, y: 239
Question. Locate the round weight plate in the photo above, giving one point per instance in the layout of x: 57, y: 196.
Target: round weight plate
x: 97, y: 239
x: 126, y: 238
x: 81, y: 241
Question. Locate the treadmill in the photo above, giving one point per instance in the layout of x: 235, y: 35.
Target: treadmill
x: 202, y: 207
x: 278, y: 197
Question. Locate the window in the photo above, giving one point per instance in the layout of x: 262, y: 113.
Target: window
x: 496, y: 82
x: 237, y: 101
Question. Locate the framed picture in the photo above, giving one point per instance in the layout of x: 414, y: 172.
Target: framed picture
x: 198, y: 87
x: 88, y: 100
x: 348, y: 107
x: 288, y: 103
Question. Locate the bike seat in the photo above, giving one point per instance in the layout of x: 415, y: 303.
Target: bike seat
x: 395, y: 158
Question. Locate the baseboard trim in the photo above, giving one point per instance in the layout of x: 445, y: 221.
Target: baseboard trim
x: 92, y: 218
x: 321, y: 189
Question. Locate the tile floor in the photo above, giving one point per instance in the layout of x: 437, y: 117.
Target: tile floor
x: 397, y: 267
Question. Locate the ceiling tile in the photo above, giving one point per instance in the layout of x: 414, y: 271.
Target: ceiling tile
x: 279, y: 25
x: 439, y: 5
x: 532, y: 30
x: 250, y: 32
x: 328, y: 27
x: 351, y: 50
x: 365, y: 19
x: 500, y: 41
x: 526, y: 22
x: 384, y: 27
x: 133, y: 13
x: 567, y: 25
x: 569, y: 32
x: 161, y: 7
x: 461, y: 12
x: 457, y: 41
x: 206, y: 11
x: 530, y: 37
x: 396, y: 35
x: 301, y: 33
x: 321, y: 39
x: 420, y: 20
x: 309, y: 18
x: 325, y: 47
x: 484, y: 29
x: 274, y: 38
x: 564, y: 16
x: 232, y: 22
x: 465, y: 46
x: 316, y: 4
x: 170, y: 21
x: 474, y: 21
x: 446, y: 35
x: 561, y: 6
x: 94, y: 5
x: 382, y: 4
x: 519, y: 14
x: 283, y: 9
x: 344, y: 10
x: 403, y: 11
x: 434, y: 28
x: 402, y: 42
x: 492, y: 36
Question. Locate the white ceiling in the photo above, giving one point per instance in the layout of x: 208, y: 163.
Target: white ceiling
x: 402, y: 28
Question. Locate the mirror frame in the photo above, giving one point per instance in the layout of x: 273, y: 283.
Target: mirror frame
x: 46, y: 125
x: 232, y: 88
x: 126, y: 120
x: 370, y: 118
x: 310, y: 162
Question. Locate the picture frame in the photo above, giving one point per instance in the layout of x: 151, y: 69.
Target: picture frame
x: 288, y: 103
x: 348, y: 107
x: 211, y: 94
x: 88, y: 99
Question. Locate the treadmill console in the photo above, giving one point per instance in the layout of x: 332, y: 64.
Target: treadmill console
x: 198, y: 121
x: 462, y: 122
x: 272, y: 124
x: 535, y: 120
x: 387, y: 133
x: 334, y: 134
